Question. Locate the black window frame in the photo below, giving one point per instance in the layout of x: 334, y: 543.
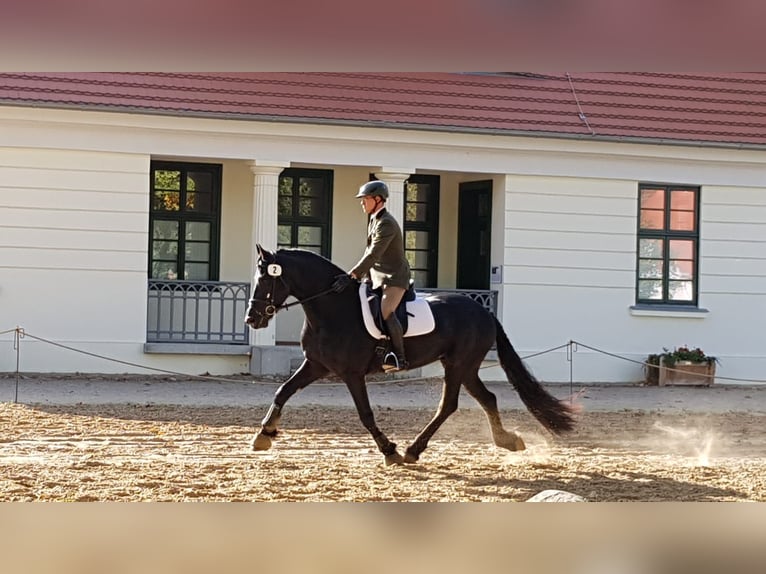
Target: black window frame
x: 295, y: 220
x: 213, y: 216
x: 666, y: 234
x: 431, y: 225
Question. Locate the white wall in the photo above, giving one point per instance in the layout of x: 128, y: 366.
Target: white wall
x: 236, y: 220
x: 73, y: 247
x: 570, y: 271
x: 73, y: 261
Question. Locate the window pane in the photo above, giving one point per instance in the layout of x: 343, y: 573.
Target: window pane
x: 680, y: 290
x: 310, y: 187
x: 420, y: 277
x: 285, y: 205
x: 167, y: 179
x: 682, y: 220
x: 167, y: 250
x: 416, y: 239
x: 652, y: 199
x: 199, y: 202
x: 648, y: 289
x: 416, y: 212
x: 681, y: 269
x: 285, y: 185
x: 197, y: 272
x: 309, y: 236
x: 199, y: 252
x: 198, y: 230
x: 165, y: 229
x: 313, y: 248
x: 284, y: 235
x: 682, y: 200
x: 650, y: 248
x: 309, y: 207
x: 199, y: 181
x: 417, y: 192
x: 164, y: 270
x: 652, y: 219
x: 166, y: 201
x: 650, y: 268
x: 681, y: 249
x: 417, y: 259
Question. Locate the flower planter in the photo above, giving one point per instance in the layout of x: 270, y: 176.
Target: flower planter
x: 687, y: 373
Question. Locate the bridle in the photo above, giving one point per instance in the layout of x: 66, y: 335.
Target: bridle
x: 274, y: 270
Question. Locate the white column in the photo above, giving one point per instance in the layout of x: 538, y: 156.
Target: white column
x: 265, y: 198
x: 394, y: 179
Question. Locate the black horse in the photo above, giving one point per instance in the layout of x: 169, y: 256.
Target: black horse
x: 334, y: 340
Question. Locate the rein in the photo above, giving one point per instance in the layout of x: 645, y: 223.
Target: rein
x: 272, y: 309
x: 301, y: 301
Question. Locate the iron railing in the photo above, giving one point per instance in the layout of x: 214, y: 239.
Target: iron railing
x: 214, y: 311
x: 197, y: 312
x: 488, y: 299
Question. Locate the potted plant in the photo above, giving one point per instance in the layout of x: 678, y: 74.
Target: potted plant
x: 681, y: 366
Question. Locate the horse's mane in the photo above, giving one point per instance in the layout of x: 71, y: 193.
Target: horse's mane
x: 308, y: 259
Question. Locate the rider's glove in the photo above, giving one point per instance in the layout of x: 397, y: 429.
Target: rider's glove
x: 341, y: 282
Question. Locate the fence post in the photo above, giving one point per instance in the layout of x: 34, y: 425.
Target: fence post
x: 571, y: 350
x: 18, y: 334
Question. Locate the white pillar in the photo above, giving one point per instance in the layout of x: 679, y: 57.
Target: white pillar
x: 265, y: 214
x: 394, y: 178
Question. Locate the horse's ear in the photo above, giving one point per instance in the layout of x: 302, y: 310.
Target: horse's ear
x: 264, y: 254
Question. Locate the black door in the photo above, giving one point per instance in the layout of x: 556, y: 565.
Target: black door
x: 474, y: 233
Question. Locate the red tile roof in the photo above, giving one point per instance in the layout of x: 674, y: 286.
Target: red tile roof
x: 719, y: 109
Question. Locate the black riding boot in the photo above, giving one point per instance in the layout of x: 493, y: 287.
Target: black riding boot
x: 395, y: 361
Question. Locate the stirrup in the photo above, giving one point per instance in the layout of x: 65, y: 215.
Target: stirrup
x: 391, y: 363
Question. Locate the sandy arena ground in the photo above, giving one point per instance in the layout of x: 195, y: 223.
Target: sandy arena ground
x: 71, y: 442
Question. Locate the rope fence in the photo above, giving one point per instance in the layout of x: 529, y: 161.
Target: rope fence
x: 571, y: 347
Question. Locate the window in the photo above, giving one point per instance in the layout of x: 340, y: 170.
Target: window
x: 668, y: 240
x: 184, y: 221
x: 421, y: 227
x: 305, y: 203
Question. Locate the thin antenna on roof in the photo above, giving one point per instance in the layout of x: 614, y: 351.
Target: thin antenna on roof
x: 583, y: 117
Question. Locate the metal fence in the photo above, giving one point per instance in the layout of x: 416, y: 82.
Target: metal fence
x: 197, y: 312
x: 214, y: 311
x: 488, y: 299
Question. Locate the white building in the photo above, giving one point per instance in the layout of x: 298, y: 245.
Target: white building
x: 623, y: 211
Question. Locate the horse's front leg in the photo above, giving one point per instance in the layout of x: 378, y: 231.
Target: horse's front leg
x: 447, y: 406
x: 357, y: 388
x: 307, y: 373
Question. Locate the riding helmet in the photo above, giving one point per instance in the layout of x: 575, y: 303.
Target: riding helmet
x: 373, y: 188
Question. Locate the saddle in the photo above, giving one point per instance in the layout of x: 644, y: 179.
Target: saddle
x: 414, y: 312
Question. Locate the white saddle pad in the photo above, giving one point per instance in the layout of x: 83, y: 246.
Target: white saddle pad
x: 420, y: 320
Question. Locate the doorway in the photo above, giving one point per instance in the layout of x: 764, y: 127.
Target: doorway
x: 474, y: 234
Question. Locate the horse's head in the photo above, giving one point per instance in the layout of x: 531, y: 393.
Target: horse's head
x: 270, y: 290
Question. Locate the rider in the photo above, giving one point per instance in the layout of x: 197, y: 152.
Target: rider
x: 385, y: 264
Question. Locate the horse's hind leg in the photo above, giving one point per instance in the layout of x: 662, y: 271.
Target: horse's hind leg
x: 447, y: 406
x: 307, y: 373
x: 488, y: 402
x: 358, y: 390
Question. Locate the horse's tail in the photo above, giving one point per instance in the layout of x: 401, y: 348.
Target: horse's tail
x: 555, y: 415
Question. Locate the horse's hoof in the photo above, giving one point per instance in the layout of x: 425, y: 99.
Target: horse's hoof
x: 261, y: 442
x: 410, y: 458
x: 512, y: 442
x: 394, y: 458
